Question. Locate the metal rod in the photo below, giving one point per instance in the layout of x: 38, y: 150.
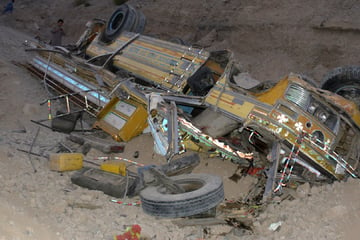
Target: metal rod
x: 30, y: 150
x: 66, y: 147
x: 67, y: 104
x: 69, y: 95
x: 48, y: 50
x: 32, y: 153
x: 41, y: 124
x: 119, y: 49
x: 96, y: 164
x: 86, y: 102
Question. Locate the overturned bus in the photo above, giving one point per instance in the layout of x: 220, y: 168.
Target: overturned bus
x: 185, y: 94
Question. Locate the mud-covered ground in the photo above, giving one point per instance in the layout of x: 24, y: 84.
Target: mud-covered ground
x: 269, y: 39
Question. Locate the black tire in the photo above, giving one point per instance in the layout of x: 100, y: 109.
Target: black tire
x: 123, y: 19
x: 117, y: 20
x: 132, y: 20
x: 202, y: 193
x: 344, y: 81
x: 139, y: 26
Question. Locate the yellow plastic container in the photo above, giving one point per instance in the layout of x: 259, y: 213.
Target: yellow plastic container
x: 66, y: 161
x: 114, y: 167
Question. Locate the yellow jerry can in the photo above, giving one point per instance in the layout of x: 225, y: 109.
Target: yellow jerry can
x: 114, y: 167
x: 66, y: 161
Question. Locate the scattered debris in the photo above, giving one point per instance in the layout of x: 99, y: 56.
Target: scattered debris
x: 66, y: 161
x: 137, y: 203
x: 104, y: 145
x: 202, y: 192
x: 121, y: 159
x: 83, y: 205
x: 32, y: 153
x: 198, y: 222
x: 111, y: 184
x: 19, y: 130
x: 65, y: 122
x: 275, y: 226
x: 116, y: 167
x: 31, y: 147
x: 131, y: 233
x: 280, y: 132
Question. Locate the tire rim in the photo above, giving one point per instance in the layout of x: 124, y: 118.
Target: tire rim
x: 351, y: 92
x: 116, y: 22
x: 188, y: 186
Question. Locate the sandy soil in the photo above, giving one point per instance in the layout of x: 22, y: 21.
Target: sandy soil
x: 270, y: 40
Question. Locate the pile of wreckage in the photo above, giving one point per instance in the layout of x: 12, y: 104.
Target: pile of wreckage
x: 192, y: 99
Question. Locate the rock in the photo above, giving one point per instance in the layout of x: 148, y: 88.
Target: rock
x: 277, y: 199
x: 275, y: 226
x: 240, y: 232
x: 303, y: 190
x: 315, y: 190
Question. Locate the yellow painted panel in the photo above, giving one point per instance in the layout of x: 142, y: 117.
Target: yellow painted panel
x: 122, y: 119
x: 226, y: 103
x: 148, y: 61
x: 273, y: 94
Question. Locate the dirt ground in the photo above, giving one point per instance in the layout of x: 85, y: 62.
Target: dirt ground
x: 269, y: 39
